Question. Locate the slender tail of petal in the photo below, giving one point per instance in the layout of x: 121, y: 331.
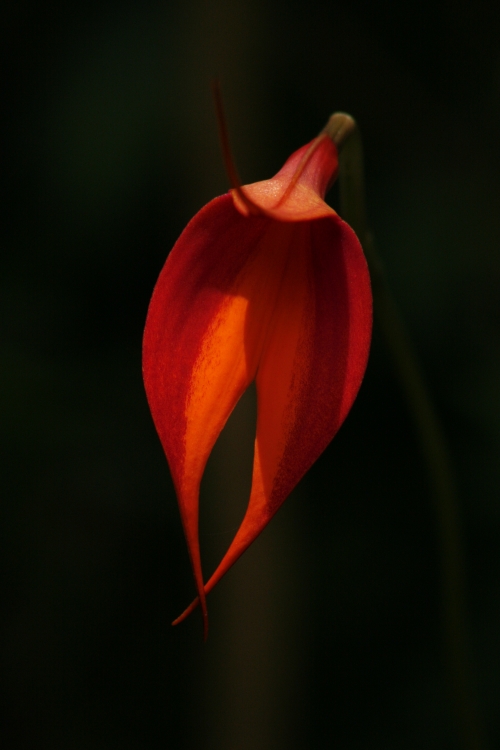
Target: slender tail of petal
x: 188, y: 502
x: 256, y: 519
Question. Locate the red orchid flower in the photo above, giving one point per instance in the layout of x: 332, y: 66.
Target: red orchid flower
x: 265, y: 284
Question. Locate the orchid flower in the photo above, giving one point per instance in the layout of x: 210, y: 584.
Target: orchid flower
x: 265, y: 284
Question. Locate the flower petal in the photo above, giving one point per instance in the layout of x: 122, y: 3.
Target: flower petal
x: 206, y: 328
x: 311, y: 365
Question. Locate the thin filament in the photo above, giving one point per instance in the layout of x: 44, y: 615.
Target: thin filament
x: 231, y: 170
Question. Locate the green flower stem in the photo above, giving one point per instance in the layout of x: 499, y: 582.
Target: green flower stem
x: 430, y: 434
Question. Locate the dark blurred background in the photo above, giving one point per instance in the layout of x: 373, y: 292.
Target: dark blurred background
x: 327, y: 632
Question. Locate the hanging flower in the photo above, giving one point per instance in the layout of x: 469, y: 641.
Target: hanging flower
x: 265, y: 284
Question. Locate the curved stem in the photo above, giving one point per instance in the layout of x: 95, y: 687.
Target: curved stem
x: 433, y: 445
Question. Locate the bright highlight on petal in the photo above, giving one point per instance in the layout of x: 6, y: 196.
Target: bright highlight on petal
x: 266, y: 283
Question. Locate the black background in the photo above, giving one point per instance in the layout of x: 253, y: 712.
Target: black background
x: 327, y: 632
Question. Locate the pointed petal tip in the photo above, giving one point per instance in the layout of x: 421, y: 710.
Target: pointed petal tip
x: 188, y: 611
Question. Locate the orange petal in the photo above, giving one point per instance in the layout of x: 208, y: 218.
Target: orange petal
x: 311, y: 363
x: 208, y: 323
